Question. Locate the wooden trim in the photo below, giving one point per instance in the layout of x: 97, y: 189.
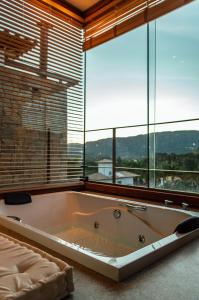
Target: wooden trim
x: 113, y: 17
x: 165, y: 7
x: 115, y: 31
x: 64, y: 10
x: 143, y: 193
x: 122, y: 6
x: 59, y: 11
x: 70, y: 7
x: 112, y: 21
x: 47, y: 188
x: 99, y: 10
x: 94, y: 8
x: 104, y: 10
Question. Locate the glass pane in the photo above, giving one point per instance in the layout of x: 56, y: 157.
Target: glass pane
x: 131, y: 156
x: 117, y: 82
x: 177, y: 64
x: 176, y: 156
x: 99, y: 155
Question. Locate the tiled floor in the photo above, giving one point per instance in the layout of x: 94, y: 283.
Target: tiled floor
x: 176, y: 277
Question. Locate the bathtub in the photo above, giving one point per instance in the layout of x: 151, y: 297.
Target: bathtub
x: 112, y: 236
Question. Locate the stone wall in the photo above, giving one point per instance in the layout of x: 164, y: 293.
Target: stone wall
x: 24, y: 127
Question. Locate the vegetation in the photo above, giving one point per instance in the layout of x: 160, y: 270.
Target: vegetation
x: 172, y: 171
x: 175, y: 164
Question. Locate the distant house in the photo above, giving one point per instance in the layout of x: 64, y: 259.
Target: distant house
x: 104, y: 174
x: 173, y: 178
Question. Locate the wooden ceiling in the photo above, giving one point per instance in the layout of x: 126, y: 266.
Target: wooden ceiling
x: 81, y: 8
x: 82, y: 5
x: 78, y: 12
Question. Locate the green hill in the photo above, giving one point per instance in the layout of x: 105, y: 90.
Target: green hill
x: 135, y: 147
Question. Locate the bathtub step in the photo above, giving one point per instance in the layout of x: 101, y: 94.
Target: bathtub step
x: 94, y: 242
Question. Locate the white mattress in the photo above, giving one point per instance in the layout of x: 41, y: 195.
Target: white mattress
x: 29, y: 273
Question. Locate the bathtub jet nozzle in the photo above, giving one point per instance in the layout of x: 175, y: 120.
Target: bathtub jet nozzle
x: 96, y: 225
x: 117, y: 213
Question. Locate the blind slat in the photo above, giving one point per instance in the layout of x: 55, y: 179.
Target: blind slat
x: 41, y: 97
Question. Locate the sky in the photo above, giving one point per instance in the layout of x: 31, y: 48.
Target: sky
x: 117, y: 75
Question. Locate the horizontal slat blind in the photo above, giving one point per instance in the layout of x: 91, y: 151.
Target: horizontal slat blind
x: 124, y: 16
x: 41, y: 97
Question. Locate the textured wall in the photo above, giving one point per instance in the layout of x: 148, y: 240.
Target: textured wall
x: 24, y: 125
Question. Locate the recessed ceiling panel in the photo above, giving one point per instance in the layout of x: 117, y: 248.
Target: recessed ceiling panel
x: 83, y: 4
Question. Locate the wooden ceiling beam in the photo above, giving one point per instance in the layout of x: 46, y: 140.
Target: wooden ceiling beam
x: 67, y: 11
x: 71, y: 7
x: 103, y: 10
x: 96, y: 7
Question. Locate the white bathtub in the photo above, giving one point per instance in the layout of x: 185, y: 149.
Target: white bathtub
x: 84, y: 228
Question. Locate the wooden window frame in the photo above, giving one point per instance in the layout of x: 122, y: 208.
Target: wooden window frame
x: 149, y: 194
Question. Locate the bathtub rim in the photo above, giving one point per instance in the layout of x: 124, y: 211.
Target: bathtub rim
x: 134, y: 201
x: 117, y: 268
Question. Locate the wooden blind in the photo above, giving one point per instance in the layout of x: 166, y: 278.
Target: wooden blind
x: 119, y: 17
x: 41, y: 97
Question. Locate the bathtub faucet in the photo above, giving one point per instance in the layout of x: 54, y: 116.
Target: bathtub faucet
x: 132, y: 207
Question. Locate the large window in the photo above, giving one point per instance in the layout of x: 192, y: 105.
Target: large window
x: 116, y: 92
x: 163, y: 151
x: 175, y: 66
x: 117, y: 82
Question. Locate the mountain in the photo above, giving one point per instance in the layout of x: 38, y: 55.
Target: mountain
x: 135, y: 147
